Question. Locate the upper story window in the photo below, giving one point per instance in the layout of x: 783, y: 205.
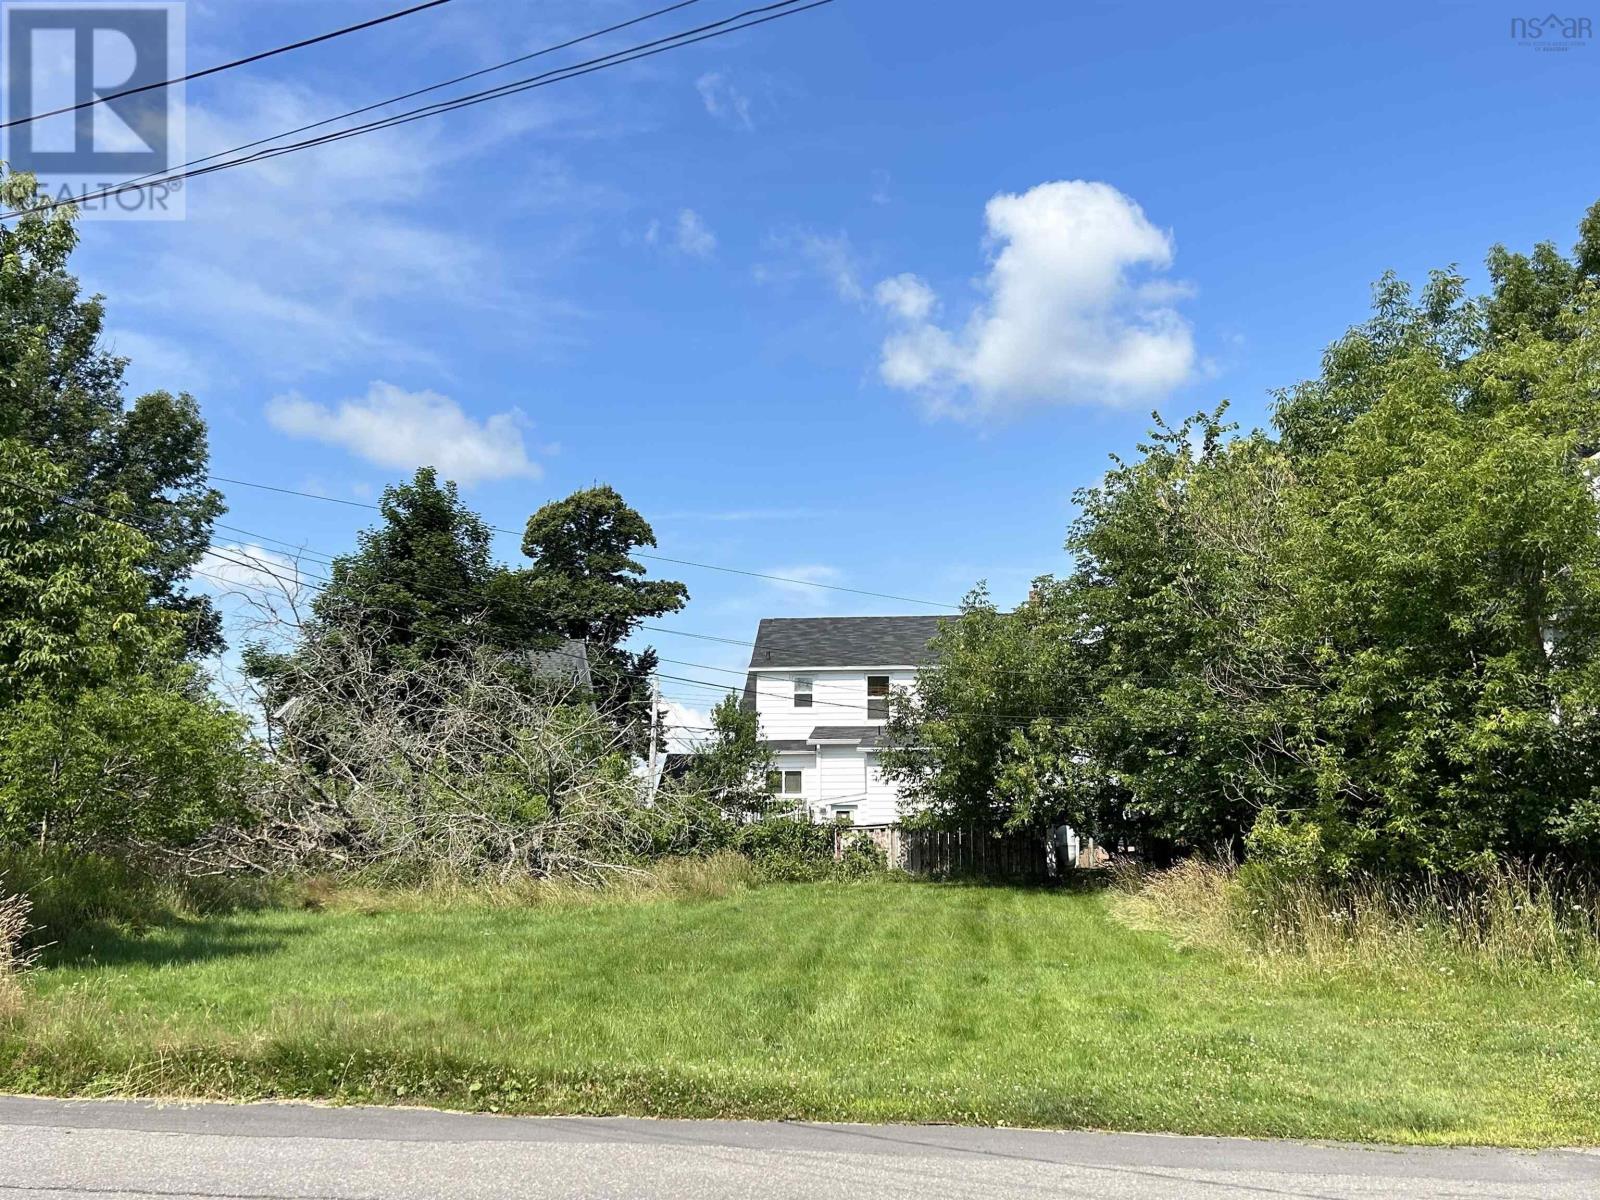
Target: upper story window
x: 802, y: 691
x: 877, y: 697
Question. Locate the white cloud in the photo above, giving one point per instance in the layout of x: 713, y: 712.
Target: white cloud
x: 252, y: 569
x: 805, y: 252
x: 907, y: 297
x: 689, y: 235
x: 693, y: 235
x: 686, y: 727
x: 1062, y: 321
x: 724, y: 101
x: 396, y: 428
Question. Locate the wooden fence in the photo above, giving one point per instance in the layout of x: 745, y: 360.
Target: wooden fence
x: 942, y: 853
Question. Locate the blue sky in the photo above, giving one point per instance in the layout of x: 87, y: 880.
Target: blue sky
x: 671, y: 277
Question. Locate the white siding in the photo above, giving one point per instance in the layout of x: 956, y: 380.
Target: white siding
x: 843, y: 773
x: 806, y: 763
x: 838, y: 698
x: 883, y: 796
x: 838, y: 774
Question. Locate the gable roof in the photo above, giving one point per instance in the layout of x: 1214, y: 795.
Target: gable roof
x: 838, y: 642
x: 843, y: 641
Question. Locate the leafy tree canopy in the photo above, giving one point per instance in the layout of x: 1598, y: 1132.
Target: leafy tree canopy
x: 74, y: 610
x: 61, y: 392
x: 584, y: 577
x: 730, y: 768
x: 1365, y: 639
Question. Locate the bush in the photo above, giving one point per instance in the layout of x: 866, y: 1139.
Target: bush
x: 140, y: 761
x: 787, y: 849
x: 794, y: 850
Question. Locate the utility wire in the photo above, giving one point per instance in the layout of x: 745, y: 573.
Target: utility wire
x: 227, y: 66
x: 321, y: 583
x: 681, y: 562
x: 631, y: 54
x: 432, y: 87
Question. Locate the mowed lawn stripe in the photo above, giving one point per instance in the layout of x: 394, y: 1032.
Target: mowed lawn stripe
x: 872, y: 1001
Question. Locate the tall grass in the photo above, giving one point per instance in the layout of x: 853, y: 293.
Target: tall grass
x: 712, y: 877
x: 1508, y: 921
x: 13, y: 956
x: 73, y: 895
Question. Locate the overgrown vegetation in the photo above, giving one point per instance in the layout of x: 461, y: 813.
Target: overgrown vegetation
x: 1507, y: 923
x: 1361, y: 643
x: 14, y: 956
x: 108, y: 734
x: 427, y: 712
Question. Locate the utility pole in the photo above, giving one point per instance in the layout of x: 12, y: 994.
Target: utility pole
x: 655, y: 721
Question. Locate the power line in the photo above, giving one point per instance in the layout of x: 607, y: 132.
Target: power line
x: 432, y: 87
x: 321, y: 583
x: 227, y: 66
x: 1016, y: 720
x: 681, y: 562
x: 631, y: 54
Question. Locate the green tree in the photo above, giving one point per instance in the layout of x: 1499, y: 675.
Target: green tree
x: 730, y: 769
x: 106, y: 736
x: 150, y: 759
x: 74, y: 610
x: 421, y: 588
x: 61, y: 392
x: 587, y: 583
x: 1366, y: 639
x: 424, y: 580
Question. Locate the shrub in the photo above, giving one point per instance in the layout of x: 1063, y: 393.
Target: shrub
x: 787, y: 849
x: 141, y: 761
x: 861, y: 858
x: 794, y: 850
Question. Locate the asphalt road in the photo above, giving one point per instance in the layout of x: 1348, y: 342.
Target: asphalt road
x: 51, y: 1148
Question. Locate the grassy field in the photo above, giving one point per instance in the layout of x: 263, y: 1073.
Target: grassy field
x: 877, y: 1001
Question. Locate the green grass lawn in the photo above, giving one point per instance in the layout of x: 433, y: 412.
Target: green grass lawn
x: 880, y: 1001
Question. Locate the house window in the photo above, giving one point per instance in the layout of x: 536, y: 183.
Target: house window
x: 784, y: 783
x: 877, y: 697
x: 844, y: 816
x: 802, y: 691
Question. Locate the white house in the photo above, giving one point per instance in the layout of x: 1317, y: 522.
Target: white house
x: 820, y: 688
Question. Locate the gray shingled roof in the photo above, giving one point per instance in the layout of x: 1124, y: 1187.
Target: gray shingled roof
x: 867, y: 735
x: 843, y: 641
x: 838, y: 642
x: 566, y: 662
